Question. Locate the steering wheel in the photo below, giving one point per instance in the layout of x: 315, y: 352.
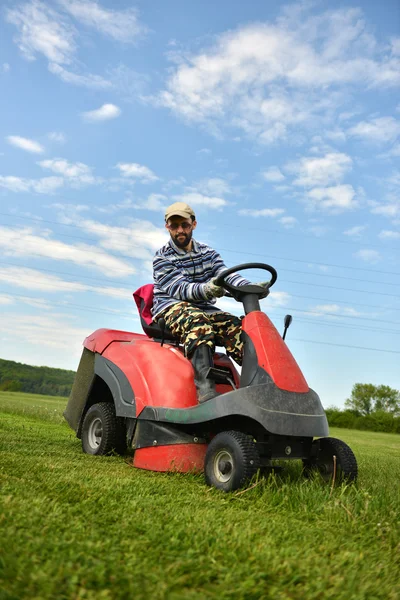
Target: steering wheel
x: 237, y: 291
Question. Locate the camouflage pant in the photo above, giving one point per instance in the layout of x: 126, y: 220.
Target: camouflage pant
x: 193, y: 327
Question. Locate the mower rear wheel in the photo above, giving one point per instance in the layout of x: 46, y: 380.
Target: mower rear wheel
x: 231, y: 460
x: 343, y: 468
x: 103, y: 431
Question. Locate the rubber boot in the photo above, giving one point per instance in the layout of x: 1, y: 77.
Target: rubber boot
x: 202, y: 360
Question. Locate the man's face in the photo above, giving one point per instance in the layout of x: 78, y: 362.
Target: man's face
x: 181, y: 230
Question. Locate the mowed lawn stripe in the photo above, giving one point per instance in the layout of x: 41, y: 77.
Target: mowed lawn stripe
x: 77, y: 526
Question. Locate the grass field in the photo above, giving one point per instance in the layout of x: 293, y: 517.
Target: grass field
x: 73, y: 526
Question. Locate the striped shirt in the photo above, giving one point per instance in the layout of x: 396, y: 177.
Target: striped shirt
x: 180, y: 276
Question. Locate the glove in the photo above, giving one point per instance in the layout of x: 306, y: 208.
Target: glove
x: 213, y: 291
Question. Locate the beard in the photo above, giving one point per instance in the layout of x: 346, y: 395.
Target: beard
x: 182, y: 239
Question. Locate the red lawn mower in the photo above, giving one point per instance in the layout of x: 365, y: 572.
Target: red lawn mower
x: 138, y: 391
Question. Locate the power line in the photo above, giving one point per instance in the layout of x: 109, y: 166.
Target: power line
x: 102, y: 253
x: 235, y: 225
x: 105, y: 229
x: 332, y: 287
x: 346, y: 316
x: 103, y: 280
x: 345, y: 346
x: 125, y: 315
x: 84, y: 277
x: 294, y: 310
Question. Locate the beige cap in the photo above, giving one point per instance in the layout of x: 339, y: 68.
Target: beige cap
x: 180, y: 209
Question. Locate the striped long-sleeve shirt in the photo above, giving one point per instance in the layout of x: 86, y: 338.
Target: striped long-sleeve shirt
x: 180, y: 276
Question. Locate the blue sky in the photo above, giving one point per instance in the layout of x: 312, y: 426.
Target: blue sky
x: 279, y: 123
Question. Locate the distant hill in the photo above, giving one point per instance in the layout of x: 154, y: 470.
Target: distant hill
x: 18, y: 377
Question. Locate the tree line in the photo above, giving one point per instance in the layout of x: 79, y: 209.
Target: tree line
x: 370, y: 407
x: 18, y: 377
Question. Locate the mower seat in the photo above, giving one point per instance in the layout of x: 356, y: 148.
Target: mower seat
x: 157, y: 331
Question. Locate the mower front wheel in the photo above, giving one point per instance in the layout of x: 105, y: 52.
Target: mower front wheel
x: 333, y: 459
x: 231, y: 460
x: 103, y: 431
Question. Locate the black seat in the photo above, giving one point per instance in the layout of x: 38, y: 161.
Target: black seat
x: 157, y: 331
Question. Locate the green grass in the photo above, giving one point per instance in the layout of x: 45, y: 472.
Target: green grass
x: 73, y: 526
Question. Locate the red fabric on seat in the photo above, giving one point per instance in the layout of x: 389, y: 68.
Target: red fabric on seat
x: 145, y: 293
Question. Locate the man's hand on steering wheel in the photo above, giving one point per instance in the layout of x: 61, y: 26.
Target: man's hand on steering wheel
x: 212, y: 290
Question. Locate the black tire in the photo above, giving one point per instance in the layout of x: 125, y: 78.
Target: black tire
x: 323, y: 461
x: 102, y: 431
x: 231, y: 460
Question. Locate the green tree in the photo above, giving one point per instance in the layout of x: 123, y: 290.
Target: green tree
x: 367, y: 398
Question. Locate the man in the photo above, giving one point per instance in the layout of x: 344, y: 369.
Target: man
x: 185, y: 293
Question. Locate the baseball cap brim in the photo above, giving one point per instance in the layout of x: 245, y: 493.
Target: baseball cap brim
x: 178, y: 213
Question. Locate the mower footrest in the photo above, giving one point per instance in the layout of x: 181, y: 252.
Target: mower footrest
x: 219, y: 375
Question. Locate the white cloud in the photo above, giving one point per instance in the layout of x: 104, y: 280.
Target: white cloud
x: 5, y: 67
x: 267, y: 79
x: 5, y: 299
x: 121, y: 25
x: 288, y: 222
x: 33, y: 279
x: 387, y: 210
x: 104, y: 113
x: 154, y: 202
x: 56, y: 136
x: 204, y: 151
x: 42, y: 30
x: 37, y: 331
x: 273, y: 174
x: 136, y: 171
x: 25, y: 144
x: 323, y: 310
x: 197, y: 199
x: 75, y: 172
x: 320, y: 171
x: 213, y: 186
x: 369, y: 256
x: 263, y: 212
x: 25, y: 242
x: 382, y: 129
x: 386, y: 234
x: 336, y: 135
x: 45, y: 185
x: 137, y: 239
x: 88, y: 80
x: 355, y: 231
x: 333, y: 199
x: 73, y: 208
x: 278, y: 298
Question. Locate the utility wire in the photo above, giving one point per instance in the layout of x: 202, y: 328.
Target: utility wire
x: 236, y: 226
x: 134, y: 317
x: 105, y: 229
x: 294, y: 309
x: 90, y: 309
x: 345, y: 346
x: 129, y: 289
x: 118, y: 256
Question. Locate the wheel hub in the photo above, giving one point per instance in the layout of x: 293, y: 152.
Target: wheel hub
x: 95, y: 433
x: 223, y: 466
